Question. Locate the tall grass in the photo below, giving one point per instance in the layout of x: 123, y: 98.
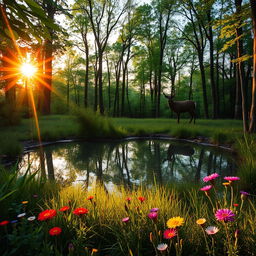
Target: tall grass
x: 102, y: 227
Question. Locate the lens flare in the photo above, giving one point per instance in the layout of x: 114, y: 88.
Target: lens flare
x: 28, y: 70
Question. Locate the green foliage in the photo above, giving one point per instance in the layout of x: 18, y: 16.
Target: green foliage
x: 93, y: 125
x: 9, y: 115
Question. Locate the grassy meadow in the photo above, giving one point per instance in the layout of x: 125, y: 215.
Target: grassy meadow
x: 40, y: 217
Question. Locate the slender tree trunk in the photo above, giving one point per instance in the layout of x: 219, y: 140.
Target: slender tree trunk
x: 239, y: 46
x: 86, y: 78
x: 101, y: 103
x: 252, y: 127
x: 215, y: 101
x: 203, y: 80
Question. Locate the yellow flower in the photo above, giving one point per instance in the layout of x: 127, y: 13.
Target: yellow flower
x: 201, y: 221
x: 175, y: 222
x: 225, y: 183
x: 94, y: 250
x: 24, y: 202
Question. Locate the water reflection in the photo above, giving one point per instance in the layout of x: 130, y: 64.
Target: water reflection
x: 128, y: 163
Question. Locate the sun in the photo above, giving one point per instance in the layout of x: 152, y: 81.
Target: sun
x: 28, y: 70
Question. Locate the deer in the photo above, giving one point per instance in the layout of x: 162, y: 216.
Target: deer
x: 182, y: 106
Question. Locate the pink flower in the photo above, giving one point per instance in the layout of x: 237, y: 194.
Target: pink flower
x: 153, y: 215
x: 244, y: 193
x: 162, y: 247
x: 170, y: 233
x: 126, y: 219
x: 211, y: 230
x: 206, y: 188
x: 231, y: 178
x: 154, y: 210
x: 211, y: 177
x: 224, y: 215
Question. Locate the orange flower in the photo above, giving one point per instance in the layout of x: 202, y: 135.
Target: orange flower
x: 47, y: 214
x: 90, y: 197
x: 80, y: 211
x: 201, y: 221
x: 55, y: 231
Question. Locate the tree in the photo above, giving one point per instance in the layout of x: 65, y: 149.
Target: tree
x: 252, y: 126
x: 104, y: 16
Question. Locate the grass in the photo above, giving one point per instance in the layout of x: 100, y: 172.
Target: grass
x: 91, y: 126
x: 102, y: 228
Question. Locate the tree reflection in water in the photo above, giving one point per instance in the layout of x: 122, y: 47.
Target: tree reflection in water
x: 128, y: 163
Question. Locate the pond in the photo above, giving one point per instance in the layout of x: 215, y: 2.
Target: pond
x: 128, y: 163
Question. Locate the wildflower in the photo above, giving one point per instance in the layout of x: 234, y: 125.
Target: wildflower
x: 206, y: 188
x: 31, y: 218
x: 170, y: 233
x: 231, y: 178
x: 244, y: 194
x: 14, y: 221
x: 154, y: 210
x: 225, y: 183
x: 142, y: 199
x: 224, y: 215
x: 237, y: 233
x: 64, y: 208
x: 126, y: 219
x: 80, y: 211
x: 153, y: 215
x: 55, y: 231
x: 90, y: 198
x: 4, y: 222
x: 21, y: 215
x: 211, y: 177
x: 94, y: 250
x: 201, y: 221
x: 162, y: 247
x: 175, y: 222
x: 24, y: 202
x: 47, y: 214
x: 236, y: 205
x: 35, y: 195
x: 128, y: 199
x: 211, y: 230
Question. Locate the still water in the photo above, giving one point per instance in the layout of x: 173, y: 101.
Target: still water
x: 128, y: 163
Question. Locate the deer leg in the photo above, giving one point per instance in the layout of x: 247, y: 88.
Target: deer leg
x: 191, y: 117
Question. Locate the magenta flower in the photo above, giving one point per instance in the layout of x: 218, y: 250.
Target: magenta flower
x: 153, y: 215
x: 224, y: 215
x: 206, y: 188
x: 231, y: 178
x: 125, y: 220
x: 244, y: 193
x: 211, y: 177
x: 154, y: 210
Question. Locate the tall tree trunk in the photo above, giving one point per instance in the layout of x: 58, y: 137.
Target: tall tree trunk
x: 239, y: 46
x: 215, y: 101
x: 252, y: 127
x: 203, y: 80
x: 86, y: 78
x: 101, y: 103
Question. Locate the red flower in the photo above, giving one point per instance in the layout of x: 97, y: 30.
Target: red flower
x: 141, y: 198
x: 128, y: 199
x: 3, y: 223
x: 90, y: 198
x: 80, y: 211
x: 170, y: 233
x: 47, y: 214
x: 64, y: 208
x: 55, y: 231
x: 236, y: 205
